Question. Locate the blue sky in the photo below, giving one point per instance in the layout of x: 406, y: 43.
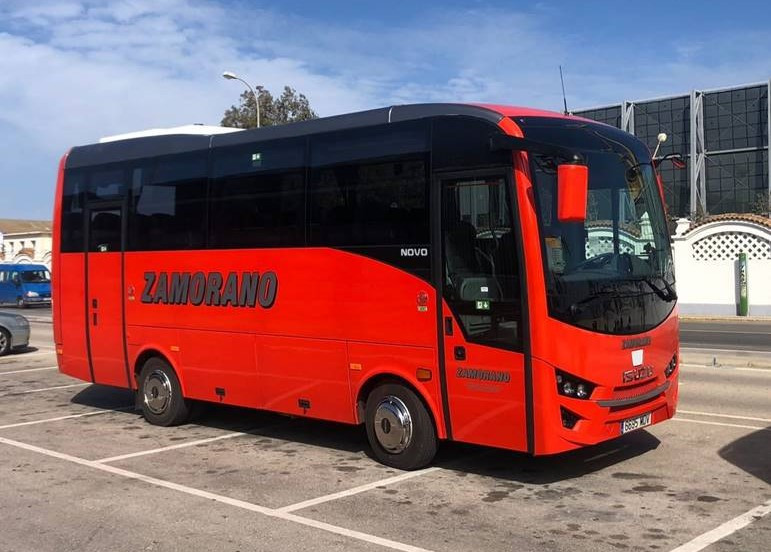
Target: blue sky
x: 72, y: 71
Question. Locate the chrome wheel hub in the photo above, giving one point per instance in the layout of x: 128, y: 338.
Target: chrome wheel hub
x: 157, y: 392
x: 3, y: 341
x: 393, y: 425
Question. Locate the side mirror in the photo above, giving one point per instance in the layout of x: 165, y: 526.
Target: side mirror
x: 677, y: 160
x: 572, y: 189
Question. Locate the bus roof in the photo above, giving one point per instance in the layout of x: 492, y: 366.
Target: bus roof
x: 144, y: 144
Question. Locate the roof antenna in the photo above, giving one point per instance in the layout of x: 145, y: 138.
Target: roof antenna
x: 564, y: 99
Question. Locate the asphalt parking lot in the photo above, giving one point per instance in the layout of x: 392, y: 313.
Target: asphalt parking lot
x: 81, y: 470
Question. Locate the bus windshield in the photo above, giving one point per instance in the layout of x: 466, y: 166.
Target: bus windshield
x: 612, y: 272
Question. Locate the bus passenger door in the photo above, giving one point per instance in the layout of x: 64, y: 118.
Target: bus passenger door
x: 481, y: 313
x: 104, y: 295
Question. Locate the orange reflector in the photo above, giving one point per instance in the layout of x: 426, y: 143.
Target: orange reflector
x: 174, y: 348
x: 423, y: 374
x: 355, y: 366
x: 59, y: 351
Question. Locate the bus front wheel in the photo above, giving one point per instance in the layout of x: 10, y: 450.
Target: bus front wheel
x: 399, y: 428
x: 161, y: 395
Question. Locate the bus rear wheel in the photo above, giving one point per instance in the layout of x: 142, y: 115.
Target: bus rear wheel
x: 399, y: 428
x: 161, y: 394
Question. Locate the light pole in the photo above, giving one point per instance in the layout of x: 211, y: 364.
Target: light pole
x: 229, y: 75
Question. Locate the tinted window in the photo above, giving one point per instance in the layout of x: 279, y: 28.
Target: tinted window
x: 369, y: 143
x: 257, y: 195
x: 257, y: 210
x: 481, y: 276
x: 107, y: 184
x: 258, y: 157
x: 168, y: 204
x: 105, y: 231
x: 464, y: 142
x: 72, y: 212
x: 375, y: 203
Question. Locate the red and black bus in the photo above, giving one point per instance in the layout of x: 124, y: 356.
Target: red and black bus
x: 486, y: 274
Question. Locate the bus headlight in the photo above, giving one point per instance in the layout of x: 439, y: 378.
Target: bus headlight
x: 671, y: 366
x: 571, y: 386
x: 33, y: 294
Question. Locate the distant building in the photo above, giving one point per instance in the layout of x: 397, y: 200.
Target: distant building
x: 723, y: 136
x: 25, y: 241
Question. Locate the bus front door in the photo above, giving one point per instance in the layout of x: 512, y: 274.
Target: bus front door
x: 482, y: 314
x: 104, y: 296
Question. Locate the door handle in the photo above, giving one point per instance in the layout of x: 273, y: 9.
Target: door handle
x: 460, y: 353
x: 95, y: 303
x: 95, y: 318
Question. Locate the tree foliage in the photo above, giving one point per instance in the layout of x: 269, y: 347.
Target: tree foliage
x: 287, y: 108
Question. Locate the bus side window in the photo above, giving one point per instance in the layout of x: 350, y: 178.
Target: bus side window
x: 381, y: 203
x: 168, y: 204
x: 72, y: 212
x: 257, y: 195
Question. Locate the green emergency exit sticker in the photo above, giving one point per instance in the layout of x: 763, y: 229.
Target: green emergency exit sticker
x: 483, y: 305
x: 256, y: 159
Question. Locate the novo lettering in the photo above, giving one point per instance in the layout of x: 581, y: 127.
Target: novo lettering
x: 414, y: 251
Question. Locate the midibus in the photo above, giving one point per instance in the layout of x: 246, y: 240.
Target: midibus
x: 486, y: 274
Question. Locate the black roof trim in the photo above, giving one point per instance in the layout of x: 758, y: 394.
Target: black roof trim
x: 136, y: 148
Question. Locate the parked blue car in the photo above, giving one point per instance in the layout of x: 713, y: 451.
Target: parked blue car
x: 25, y: 284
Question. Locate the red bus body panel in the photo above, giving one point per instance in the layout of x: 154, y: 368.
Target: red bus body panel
x: 332, y: 310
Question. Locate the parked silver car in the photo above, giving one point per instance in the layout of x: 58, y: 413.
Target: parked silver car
x: 14, y: 332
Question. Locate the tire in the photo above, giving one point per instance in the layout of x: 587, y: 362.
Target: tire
x: 406, y: 446
x: 5, y: 342
x: 160, y: 394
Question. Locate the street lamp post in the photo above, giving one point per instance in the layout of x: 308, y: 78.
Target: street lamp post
x: 229, y: 75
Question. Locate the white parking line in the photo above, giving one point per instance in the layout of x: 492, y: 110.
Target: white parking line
x: 366, y: 537
x: 710, y: 537
x: 717, y: 415
x: 170, y: 447
x: 679, y: 419
x: 18, y: 356
x: 44, y: 389
x: 29, y: 370
x: 47, y: 420
x: 355, y: 490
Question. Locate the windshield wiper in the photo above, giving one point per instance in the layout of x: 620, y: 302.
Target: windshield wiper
x: 668, y: 294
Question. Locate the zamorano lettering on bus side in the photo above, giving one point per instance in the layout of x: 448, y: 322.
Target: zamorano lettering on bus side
x: 247, y: 289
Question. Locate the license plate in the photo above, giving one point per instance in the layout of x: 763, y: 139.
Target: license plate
x: 635, y: 423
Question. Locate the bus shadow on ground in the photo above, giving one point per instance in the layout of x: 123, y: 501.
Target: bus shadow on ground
x: 751, y: 453
x: 460, y: 457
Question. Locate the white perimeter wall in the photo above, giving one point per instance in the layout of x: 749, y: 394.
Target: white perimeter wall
x: 707, y: 268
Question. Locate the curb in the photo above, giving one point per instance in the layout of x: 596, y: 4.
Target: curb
x: 718, y: 318
x: 724, y: 358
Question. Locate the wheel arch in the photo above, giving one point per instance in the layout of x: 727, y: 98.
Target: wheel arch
x: 155, y: 352
x: 376, y: 379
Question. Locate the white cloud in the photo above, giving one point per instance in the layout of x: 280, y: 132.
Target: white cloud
x: 71, y: 72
